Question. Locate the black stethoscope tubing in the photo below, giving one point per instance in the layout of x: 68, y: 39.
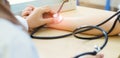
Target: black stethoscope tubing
x: 52, y: 37
x: 99, y: 36
x: 97, y: 49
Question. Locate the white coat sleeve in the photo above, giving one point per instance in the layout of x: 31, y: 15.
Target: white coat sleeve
x: 15, y: 43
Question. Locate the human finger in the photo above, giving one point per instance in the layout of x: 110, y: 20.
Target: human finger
x: 49, y: 20
x: 27, y: 10
x: 25, y: 13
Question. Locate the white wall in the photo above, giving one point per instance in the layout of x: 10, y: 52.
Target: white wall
x: 114, y: 3
x: 17, y: 5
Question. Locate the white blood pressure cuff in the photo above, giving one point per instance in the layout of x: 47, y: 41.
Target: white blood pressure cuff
x: 22, y: 21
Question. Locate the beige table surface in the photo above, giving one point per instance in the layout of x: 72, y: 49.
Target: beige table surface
x: 68, y: 47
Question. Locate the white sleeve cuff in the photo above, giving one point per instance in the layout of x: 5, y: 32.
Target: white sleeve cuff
x: 22, y: 21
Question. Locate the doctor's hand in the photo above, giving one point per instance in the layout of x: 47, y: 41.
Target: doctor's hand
x: 37, y: 16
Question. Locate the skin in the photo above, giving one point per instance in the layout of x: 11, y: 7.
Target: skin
x: 67, y: 24
x: 97, y: 56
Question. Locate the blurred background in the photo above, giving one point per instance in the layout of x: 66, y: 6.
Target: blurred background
x: 101, y: 4
x: 110, y: 5
x: 18, y: 5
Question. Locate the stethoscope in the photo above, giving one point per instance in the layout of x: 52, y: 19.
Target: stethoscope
x: 83, y: 29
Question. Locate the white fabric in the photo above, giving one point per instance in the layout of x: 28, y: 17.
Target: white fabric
x: 22, y: 21
x: 14, y: 42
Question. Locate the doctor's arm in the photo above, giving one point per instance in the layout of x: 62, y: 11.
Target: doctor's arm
x: 22, y: 47
x: 14, y: 42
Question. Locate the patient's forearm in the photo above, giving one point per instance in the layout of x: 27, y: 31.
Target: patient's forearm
x: 70, y: 24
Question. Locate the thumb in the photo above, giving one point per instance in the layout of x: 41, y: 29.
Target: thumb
x: 49, y: 20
